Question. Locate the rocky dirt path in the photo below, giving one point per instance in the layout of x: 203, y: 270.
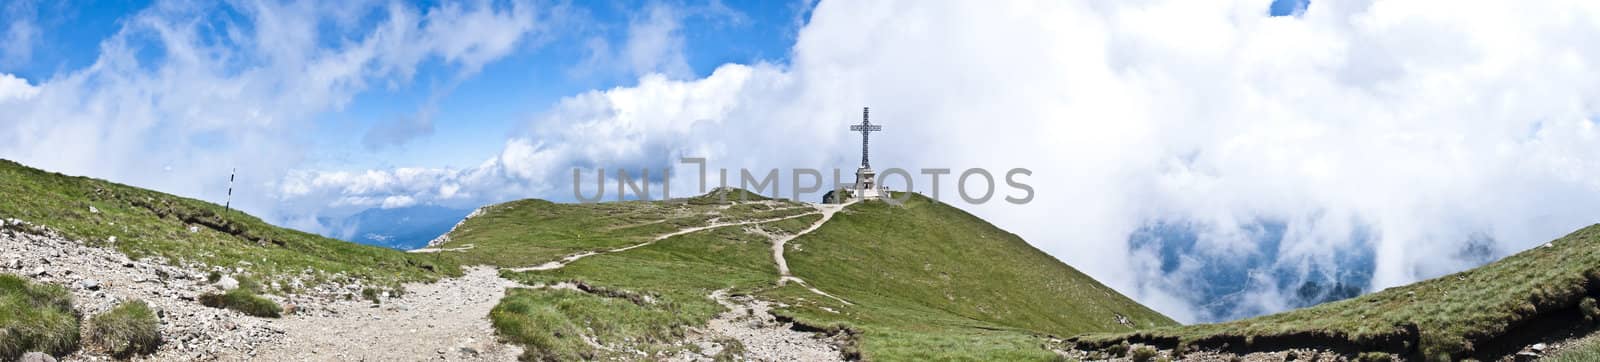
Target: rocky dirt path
x: 446, y: 320
x: 760, y: 335
x: 575, y: 257
x: 778, y: 245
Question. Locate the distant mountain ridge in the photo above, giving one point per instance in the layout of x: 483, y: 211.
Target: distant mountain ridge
x: 403, y: 228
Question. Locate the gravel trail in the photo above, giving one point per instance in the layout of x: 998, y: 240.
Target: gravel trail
x: 446, y: 320
x: 761, y: 336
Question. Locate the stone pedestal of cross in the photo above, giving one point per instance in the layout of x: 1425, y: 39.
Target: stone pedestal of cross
x: 866, y: 180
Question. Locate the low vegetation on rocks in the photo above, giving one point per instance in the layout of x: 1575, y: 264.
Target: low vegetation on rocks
x: 36, y: 318
x: 125, y: 331
x: 243, y: 301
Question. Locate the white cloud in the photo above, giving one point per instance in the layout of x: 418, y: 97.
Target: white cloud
x: 653, y: 43
x: 392, y: 202
x: 178, y: 88
x: 14, y: 88
x: 19, y: 32
x: 1414, y: 127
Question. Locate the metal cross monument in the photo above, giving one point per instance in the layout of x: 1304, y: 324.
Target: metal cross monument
x: 864, y: 127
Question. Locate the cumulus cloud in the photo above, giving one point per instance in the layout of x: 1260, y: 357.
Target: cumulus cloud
x: 178, y: 88
x: 17, y: 89
x: 653, y: 41
x: 1387, y: 137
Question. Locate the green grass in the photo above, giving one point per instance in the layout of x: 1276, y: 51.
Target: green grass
x: 36, y: 318
x: 928, y: 281
x: 644, y: 297
x: 932, y: 281
x: 152, y: 224
x: 127, y: 330
x: 531, y: 232
x: 552, y: 323
x: 1586, y: 350
x: 1451, y: 317
x: 243, y: 301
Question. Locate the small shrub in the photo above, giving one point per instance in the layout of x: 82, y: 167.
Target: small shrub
x: 1591, y: 311
x: 243, y: 301
x: 371, y: 295
x: 731, y: 350
x: 1144, y: 354
x: 1118, y: 350
x: 129, y: 329
x: 35, y: 317
x: 1374, y: 357
x: 213, y: 277
x: 250, y: 284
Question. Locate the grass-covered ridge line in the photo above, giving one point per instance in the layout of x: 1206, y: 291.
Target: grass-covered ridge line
x: 932, y: 281
x: 1483, y: 313
x: 35, y: 318
x: 530, y: 232
x: 146, y: 223
x: 927, y: 280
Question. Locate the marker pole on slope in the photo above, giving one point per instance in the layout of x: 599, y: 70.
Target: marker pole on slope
x: 227, y: 205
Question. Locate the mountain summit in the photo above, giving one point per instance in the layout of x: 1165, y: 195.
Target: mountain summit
x: 914, y: 281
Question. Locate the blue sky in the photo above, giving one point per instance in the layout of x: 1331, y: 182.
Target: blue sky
x: 466, y: 110
x: 1379, y: 128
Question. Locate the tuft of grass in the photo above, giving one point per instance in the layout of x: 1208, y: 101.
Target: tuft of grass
x: 1374, y: 357
x: 732, y: 349
x: 128, y: 330
x: 1143, y: 354
x: 371, y: 295
x: 36, y: 318
x: 249, y: 283
x: 1590, y: 310
x: 243, y: 301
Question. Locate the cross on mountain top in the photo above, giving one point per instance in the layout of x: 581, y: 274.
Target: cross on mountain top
x: 864, y: 127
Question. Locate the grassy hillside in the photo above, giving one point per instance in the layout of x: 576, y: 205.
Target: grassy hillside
x: 925, y: 280
x: 1482, y: 313
x: 528, y: 232
x: 927, y: 277
x: 143, y: 223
